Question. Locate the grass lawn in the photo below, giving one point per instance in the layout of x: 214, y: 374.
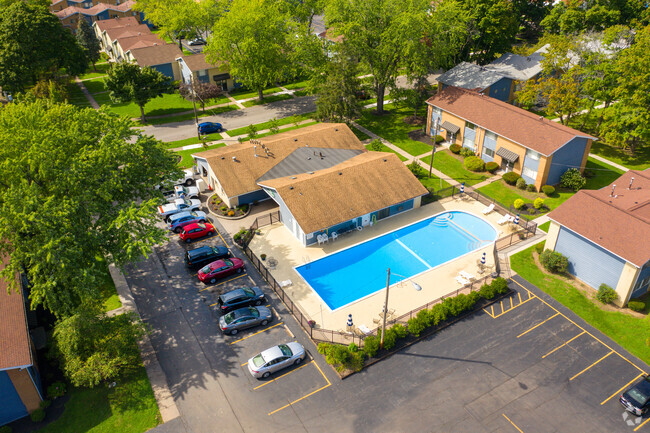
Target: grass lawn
x: 291, y: 128
x: 192, y: 140
x: 360, y: 135
x: 299, y: 93
x: 639, y: 161
x: 246, y: 94
x: 507, y: 194
x: 95, y: 86
x: 433, y: 183
x: 76, y: 96
x: 296, y: 85
x: 130, y: 407
x: 267, y: 100
x: 107, y: 289
x: 101, y: 71
x: 188, y: 116
x: 166, y: 104
x: 545, y: 226
x: 187, y: 160
x: 604, y: 174
x: 385, y: 148
x: 267, y: 125
x: 626, y: 330
x: 452, y: 167
x: 391, y: 127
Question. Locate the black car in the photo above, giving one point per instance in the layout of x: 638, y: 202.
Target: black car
x: 636, y: 400
x: 241, y: 297
x: 199, y: 257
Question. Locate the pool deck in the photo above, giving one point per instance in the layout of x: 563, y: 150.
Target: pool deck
x: 278, y: 243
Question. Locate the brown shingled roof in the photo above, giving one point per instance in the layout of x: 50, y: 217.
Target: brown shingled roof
x: 619, y: 224
x: 365, y: 183
x: 527, y: 129
x: 128, y: 31
x: 139, y: 41
x: 197, y: 62
x: 156, y: 55
x: 14, y: 338
x: 114, y: 23
x: 240, y: 177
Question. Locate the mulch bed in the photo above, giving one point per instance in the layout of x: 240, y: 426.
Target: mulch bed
x: 419, y: 135
x: 216, y: 208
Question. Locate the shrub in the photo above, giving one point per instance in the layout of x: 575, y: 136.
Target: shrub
x: 554, y: 262
x: 499, y: 285
x: 474, y: 163
x: 224, y: 208
x: 416, y: 169
x: 438, y: 313
x: 252, y: 131
x: 491, y: 166
x: 7, y: 429
x: 370, y: 345
x: 538, y: 203
x: 439, y: 139
x: 323, y: 348
x: 572, y: 179
x: 44, y: 404
x: 455, y: 148
x: 606, y: 294
x: 38, y: 415
x: 519, y: 203
x: 521, y: 183
x: 531, y: 188
x: 419, y: 323
x: 376, y: 145
x: 540, y: 247
x: 399, y: 330
x: 243, y: 208
x: 57, y: 389
x: 231, y: 213
x: 510, y: 177
x: 353, y: 348
x: 486, y: 291
x: 465, y: 151
x: 636, y: 306
x: 389, y: 339
x: 548, y: 190
x: 263, y: 256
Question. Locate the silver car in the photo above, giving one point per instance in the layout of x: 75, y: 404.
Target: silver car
x: 276, y: 358
x: 243, y: 318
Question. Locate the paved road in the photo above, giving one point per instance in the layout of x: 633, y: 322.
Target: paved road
x: 235, y: 119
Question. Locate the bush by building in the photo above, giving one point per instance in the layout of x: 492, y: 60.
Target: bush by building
x: 491, y: 166
x: 636, y: 306
x: 466, y: 151
x: 538, y: 203
x: 518, y: 204
x: 531, y: 188
x: 606, y: 294
x: 572, y: 179
x: 548, y: 190
x: 521, y: 183
x: 554, y: 262
x: 455, y: 148
x: 474, y: 163
x: 510, y: 178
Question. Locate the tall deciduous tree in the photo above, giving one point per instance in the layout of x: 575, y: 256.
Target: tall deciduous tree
x: 253, y: 37
x: 200, y: 92
x: 88, y: 42
x: 34, y: 45
x: 128, y: 82
x: 75, y: 184
x: 337, y: 93
x: 380, y: 34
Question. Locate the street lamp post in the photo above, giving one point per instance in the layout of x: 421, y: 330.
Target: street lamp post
x: 383, y: 326
x: 433, y: 151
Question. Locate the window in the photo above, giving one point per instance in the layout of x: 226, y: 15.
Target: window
x: 488, y: 152
x: 470, y: 126
x: 532, y: 155
x: 529, y: 173
x: 490, y: 136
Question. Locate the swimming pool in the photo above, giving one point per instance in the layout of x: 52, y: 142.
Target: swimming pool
x: 358, y: 271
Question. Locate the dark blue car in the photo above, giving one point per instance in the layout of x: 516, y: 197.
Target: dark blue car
x: 209, y: 127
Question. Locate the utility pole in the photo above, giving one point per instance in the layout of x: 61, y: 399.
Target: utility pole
x: 433, y: 151
x: 196, y: 118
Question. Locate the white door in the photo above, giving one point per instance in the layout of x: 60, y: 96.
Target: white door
x: 365, y: 220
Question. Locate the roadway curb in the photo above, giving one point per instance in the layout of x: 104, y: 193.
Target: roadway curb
x: 166, y: 404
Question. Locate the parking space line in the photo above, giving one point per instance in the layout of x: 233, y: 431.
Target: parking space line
x: 223, y: 282
x: 258, y: 332
x: 503, y: 311
x: 621, y: 389
x: 581, y: 328
x: 276, y: 378
x: 559, y: 347
x: 642, y: 424
x: 513, y: 424
x: 308, y: 395
x: 591, y: 365
x: 539, y: 324
x: 224, y: 241
x: 241, y: 365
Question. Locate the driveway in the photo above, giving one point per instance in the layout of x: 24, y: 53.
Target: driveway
x: 235, y: 119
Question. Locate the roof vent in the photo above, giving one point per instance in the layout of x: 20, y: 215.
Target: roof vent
x: 528, y: 59
x: 308, y: 158
x: 612, y: 193
x: 385, y: 160
x: 631, y: 180
x: 321, y: 155
x: 310, y: 172
x: 255, y: 151
x: 223, y: 157
x: 295, y: 139
x: 290, y: 187
x: 293, y: 177
x: 234, y: 158
x: 541, y: 118
x: 336, y: 129
x: 340, y: 173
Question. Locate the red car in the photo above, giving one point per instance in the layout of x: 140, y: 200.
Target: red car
x: 219, y: 269
x: 196, y: 231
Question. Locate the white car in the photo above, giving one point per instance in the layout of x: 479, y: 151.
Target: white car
x: 178, y: 205
x: 187, y: 179
x: 276, y: 358
x: 185, y: 192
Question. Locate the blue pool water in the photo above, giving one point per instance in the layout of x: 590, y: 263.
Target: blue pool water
x: 360, y: 270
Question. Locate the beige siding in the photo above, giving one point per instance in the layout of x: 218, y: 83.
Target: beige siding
x: 551, y: 237
x: 626, y: 283
x: 25, y: 388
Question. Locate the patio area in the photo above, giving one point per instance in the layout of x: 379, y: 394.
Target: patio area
x: 284, y: 252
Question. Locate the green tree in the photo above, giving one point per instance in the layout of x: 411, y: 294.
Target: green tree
x: 559, y: 94
x: 202, y: 92
x: 337, y: 94
x: 128, y: 82
x: 413, y: 96
x: 27, y: 50
x: 88, y: 42
x: 75, y: 184
x: 380, y: 34
x: 253, y: 38
x: 493, y: 26
x: 304, y: 11
x: 93, y: 348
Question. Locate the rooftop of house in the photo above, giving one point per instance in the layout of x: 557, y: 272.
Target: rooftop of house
x: 238, y: 169
x: 156, y: 55
x: 116, y: 22
x: 14, y: 338
x: 521, y: 68
x: 197, y: 62
x: 95, y: 10
x: 516, y: 124
x: 616, y: 218
x: 357, y: 186
x: 469, y: 76
x: 128, y: 31
x: 140, y: 40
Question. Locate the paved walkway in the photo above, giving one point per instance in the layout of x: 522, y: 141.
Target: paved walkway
x: 87, y: 94
x: 607, y: 161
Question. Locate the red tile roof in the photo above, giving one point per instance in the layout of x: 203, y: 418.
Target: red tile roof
x: 128, y: 31
x: 522, y: 127
x: 618, y: 223
x: 114, y: 23
x: 15, y: 348
x: 139, y: 41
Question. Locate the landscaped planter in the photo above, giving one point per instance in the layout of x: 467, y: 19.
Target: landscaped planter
x: 220, y: 210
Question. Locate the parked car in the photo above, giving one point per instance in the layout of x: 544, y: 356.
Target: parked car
x: 636, y: 399
x: 220, y: 269
x: 196, y: 231
x: 197, y: 41
x: 243, y: 318
x: 181, y: 191
x: 276, y: 358
x: 240, y: 297
x: 178, y: 205
x: 199, y: 257
x: 181, y: 219
x: 209, y: 127
x: 167, y: 187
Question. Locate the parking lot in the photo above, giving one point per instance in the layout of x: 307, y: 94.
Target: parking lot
x: 524, y: 365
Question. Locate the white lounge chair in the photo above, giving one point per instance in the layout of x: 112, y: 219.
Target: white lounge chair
x: 488, y: 209
x: 462, y: 281
x: 466, y: 275
x: 365, y: 329
x: 334, y: 236
x: 511, y: 219
x: 503, y: 220
x: 285, y: 283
